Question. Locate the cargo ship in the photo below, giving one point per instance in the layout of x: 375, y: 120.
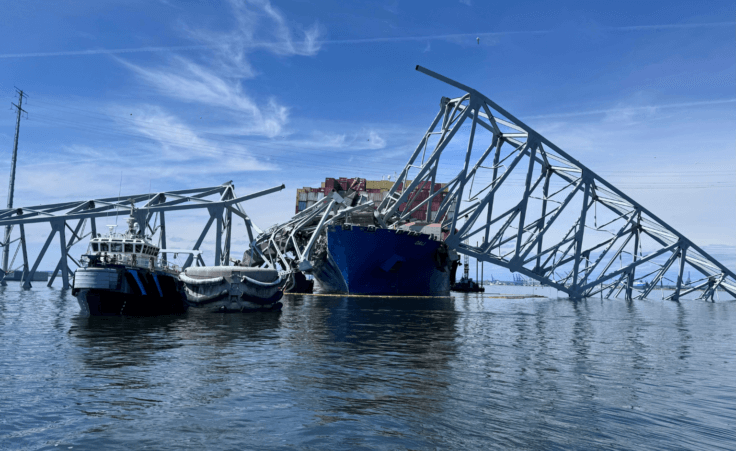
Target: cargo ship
x: 373, y: 261
x: 336, y: 238
x: 358, y: 257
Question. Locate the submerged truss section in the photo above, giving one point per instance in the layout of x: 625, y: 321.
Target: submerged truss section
x: 221, y: 203
x: 526, y: 205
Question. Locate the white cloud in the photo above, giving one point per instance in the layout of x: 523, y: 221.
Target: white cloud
x: 364, y: 139
x: 217, y: 82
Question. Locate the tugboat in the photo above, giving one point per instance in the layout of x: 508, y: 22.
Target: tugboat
x: 122, y: 276
x: 466, y: 284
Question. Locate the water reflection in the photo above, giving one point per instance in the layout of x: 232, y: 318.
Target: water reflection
x: 474, y: 372
x: 113, y: 342
x: 683, y: 332
x: 378, y: 357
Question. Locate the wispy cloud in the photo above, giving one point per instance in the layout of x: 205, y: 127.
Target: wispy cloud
x: 674, y: 25
x: 179, y: 142
x: 632, y: 109
x: 217, y: 82
x: 245, y: 40
x: 185, y: 80
x: 365, y: 139
x: 101, y: 51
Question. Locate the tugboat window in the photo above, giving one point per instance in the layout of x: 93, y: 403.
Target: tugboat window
x: 116, y: 247
x: 103, y: 247
x: 138, y: 248
x: 94, y: 247
x: 128, y: 248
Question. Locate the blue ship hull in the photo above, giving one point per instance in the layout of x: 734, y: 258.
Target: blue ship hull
x: 370, y: 261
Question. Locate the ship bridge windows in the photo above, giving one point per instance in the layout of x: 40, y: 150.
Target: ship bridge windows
x: 138, y: 248
x: 116, y: 247
x: 94, y: 247
x: 104, y: 247
x: 128, y: 247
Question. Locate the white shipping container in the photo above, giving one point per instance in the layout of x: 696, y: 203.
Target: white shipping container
x: 303, y: 197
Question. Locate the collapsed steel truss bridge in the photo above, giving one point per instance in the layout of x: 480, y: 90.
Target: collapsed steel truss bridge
x: 150, y: 215
x: 528, y: 205
x: 535, y: 210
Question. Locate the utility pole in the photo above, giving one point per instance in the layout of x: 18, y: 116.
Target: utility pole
x: 11, y: 187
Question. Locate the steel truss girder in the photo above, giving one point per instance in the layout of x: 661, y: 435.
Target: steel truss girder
x: 152, y: 209
x: 541, y: 166
x: 288, y: 247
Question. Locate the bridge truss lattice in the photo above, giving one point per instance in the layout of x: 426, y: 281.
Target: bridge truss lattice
x: 69, y: 220
x: 530, y: 207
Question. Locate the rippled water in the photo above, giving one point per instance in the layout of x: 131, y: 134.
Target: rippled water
x: 472, y: 372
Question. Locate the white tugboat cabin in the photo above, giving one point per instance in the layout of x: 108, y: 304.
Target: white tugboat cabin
x: 131, y: 248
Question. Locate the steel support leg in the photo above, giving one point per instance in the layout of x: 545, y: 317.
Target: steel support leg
x: 228, y: 237
x: 24, y: 278
x: 68, y: 246
x: 162, y: 235
x: 190, y: 259
x: 579, y: 237
x: 64, y: 261
x: 496, y: 157
x: 632, y: 274
x: 676, y: 295
x: 525, y: 201
x: 540, y: 226
x: 27, y: 282
x: 218, y: 239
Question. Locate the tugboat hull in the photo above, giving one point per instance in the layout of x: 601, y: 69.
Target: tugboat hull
x: 122, y: 291
x: 111, y: 303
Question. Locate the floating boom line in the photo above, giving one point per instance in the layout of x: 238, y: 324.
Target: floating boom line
x: 535, y: 210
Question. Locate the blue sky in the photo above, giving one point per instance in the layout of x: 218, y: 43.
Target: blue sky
x: 171, y: 95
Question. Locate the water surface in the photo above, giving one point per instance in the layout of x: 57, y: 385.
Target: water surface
x: 468, y: 372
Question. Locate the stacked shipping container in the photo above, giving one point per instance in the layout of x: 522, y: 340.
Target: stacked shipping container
x: 375, y: 190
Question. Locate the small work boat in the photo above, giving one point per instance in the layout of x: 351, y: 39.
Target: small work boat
x: 122, y: 276
x: 233, y: 288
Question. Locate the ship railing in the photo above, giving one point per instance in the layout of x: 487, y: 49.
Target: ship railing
x: 133, y: 260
